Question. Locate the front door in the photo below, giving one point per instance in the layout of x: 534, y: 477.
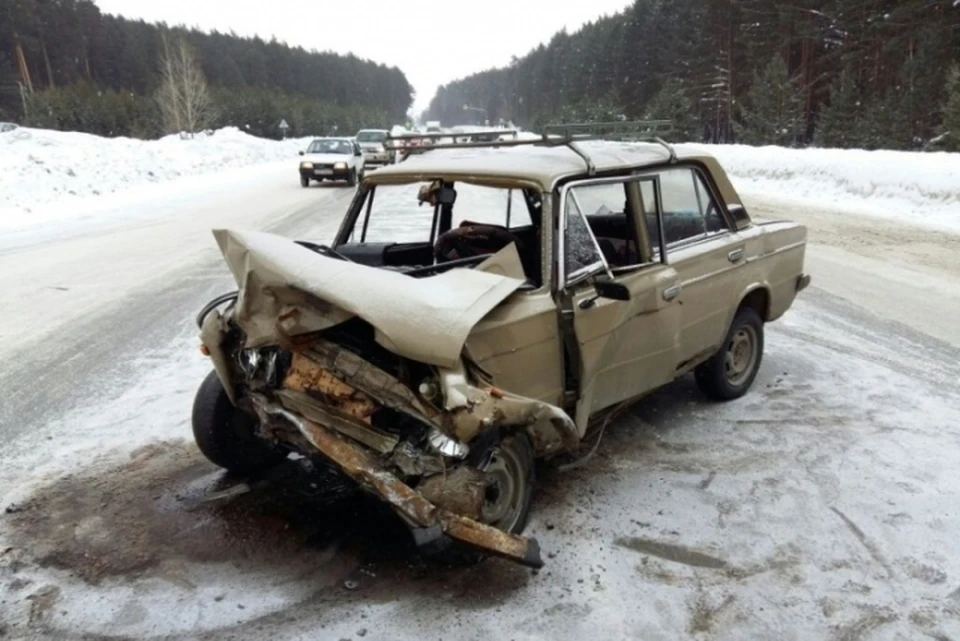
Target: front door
x: 624, y: 347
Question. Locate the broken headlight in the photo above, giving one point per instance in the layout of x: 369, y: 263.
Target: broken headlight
x: 263, y: 365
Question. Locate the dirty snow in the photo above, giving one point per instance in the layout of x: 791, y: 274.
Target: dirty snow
x: 817, y: 507
x: 49, y: 176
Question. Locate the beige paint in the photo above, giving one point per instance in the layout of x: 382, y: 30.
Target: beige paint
x: 285, y: 285
x: 627, y: 348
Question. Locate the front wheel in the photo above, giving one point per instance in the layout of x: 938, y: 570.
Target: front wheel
x: 352, y: 178
x: 304, y: 181
x: 509, y: 466
x: 226, y: 435
x: 731, y: 371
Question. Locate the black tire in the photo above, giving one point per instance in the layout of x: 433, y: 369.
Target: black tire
x: 304, y: 181
x: 352, y: 178
x: 726, y: 376
x: 226, y: 435
x: 514, y: 456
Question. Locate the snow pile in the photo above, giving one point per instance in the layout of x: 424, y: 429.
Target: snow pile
x: 915, y: 188
x: 39, y: 166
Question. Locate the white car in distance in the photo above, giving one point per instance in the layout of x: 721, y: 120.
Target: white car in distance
x: 332, y: 159
x: 373, y: 144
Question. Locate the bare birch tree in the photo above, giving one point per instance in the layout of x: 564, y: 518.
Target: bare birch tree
x: 184, y: 99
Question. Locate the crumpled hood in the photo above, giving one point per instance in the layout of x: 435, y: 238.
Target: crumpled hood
x: 286, y: 288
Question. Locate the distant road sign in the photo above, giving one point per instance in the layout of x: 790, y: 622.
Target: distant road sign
x: 283, y: 124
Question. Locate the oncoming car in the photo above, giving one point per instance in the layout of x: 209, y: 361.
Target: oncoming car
x: 371, y: 143
x: 483, y: 306
x: 331, y: 159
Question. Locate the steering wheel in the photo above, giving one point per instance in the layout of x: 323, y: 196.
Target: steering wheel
x: 323, y: 249
x: 459, y: 262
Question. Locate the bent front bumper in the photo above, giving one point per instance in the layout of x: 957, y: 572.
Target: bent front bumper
x: 361, y: 467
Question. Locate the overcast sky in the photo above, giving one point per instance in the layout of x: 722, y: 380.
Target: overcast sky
x: 432, y: 41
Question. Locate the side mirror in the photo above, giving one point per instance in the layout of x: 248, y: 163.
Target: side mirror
x: 606, y: 289
x: 301, y: 153
x: 739, y: 213
x: 612, y: 289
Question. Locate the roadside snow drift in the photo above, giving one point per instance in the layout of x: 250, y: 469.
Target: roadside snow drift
x: 39, y: 167
x: 916, y: 188
x: 48, y: 176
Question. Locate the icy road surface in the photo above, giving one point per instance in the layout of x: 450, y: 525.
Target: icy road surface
x: 823, y: 505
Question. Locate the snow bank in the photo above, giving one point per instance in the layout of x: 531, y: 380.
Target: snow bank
x: 915, y: 188
x: 48, y: 176
x: 41, y: 167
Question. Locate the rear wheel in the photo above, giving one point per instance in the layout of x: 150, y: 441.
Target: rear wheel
x: 227, y: 435
x: 731, y: 371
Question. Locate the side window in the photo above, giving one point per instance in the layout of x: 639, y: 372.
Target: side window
x: 606, y: 209
x: 580, y: 252
x: 689, y: 211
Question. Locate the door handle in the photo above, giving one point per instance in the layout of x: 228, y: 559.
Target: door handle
x: 735, y: 256
x: 671, y: 292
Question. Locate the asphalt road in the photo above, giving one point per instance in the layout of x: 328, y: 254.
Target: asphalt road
x: 823, y: 505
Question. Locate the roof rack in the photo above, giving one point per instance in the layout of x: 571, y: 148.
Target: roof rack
x: 556, y: 135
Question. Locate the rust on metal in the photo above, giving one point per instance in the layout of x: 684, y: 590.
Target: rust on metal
x: 360, y: 466
x: 461, y: 490
x: 336, y: 419
x: 309, y: 377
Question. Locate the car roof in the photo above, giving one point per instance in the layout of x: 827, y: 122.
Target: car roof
x: 542, y: 165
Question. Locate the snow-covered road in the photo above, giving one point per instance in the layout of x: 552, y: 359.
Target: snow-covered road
x: 823, y: 505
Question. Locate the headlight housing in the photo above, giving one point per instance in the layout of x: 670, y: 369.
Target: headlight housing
x: 306, y: 164
x: 340, y: 165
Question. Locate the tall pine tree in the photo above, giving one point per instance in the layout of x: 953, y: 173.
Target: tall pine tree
x: 672, y: 103
x: 951, y: 110
x: 838, y: 124
x: 774, y: 115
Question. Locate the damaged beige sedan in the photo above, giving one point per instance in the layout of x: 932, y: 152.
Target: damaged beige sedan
x: 483, y: 306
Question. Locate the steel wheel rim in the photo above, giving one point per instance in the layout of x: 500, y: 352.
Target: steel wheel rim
x: 503, y: 501
x: 741, y: 355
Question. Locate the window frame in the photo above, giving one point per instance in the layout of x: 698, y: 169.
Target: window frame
x: 564, y: 280
x: 707, y: 184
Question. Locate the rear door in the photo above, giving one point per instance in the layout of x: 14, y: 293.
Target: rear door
x: 623, y: 348
x: 708, y: 254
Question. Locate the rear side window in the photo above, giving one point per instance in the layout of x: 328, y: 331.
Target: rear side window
x: 689, y: 210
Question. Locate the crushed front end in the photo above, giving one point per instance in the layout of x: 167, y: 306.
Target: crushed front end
x: 381, y: 421
x: 368, y: 369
